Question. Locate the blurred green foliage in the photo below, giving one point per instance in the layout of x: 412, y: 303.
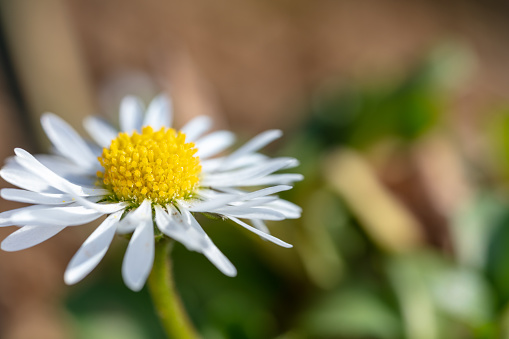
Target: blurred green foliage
x: 362, y: 116
x: 336, y: 282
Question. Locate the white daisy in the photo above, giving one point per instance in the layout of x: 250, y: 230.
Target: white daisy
x: 148, y: 179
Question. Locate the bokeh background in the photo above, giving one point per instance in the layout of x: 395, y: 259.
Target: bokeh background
x: 397, y: 110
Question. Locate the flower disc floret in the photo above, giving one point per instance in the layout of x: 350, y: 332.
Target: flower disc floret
x: 155, y: 165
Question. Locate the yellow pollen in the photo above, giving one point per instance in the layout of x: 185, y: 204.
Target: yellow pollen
x: 159, y: 166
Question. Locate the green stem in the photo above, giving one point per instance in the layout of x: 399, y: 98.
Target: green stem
x: 165, y: 298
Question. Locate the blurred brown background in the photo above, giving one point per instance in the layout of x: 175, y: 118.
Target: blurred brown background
x: 253, y: 65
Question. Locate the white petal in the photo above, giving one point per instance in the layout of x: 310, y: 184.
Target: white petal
x: 253, y: 145
x: 261, y: 234
x: 219, y: 260
x: 274, y: 179
x: 208, y: 248
x: 228, y: 190
x: 97, y: 150
x: 239, y: 177
x: 5, y: 217
x: 139, y: 256
x: 259, y: 224
x: 60, y: 165
x: 288, y: 209
x: 59, y: 215
x: 219, y: 164
x: 135, y: 217
x: 67, y: 141
x: 189, y: 219
x: 92, y: 251
x: 35, y: 197
x: 258, y: 202
x: 19, y: 176
x: 250, y: 213
x: 209, y: 194
x: 104, y: 207
x: 211, y: 165
x: 196, y: 127
x: 213, y: 200
x: 266, y: 191
x: 67, y: 169
x: 159, y: 113
x: 214, y: 143
x: 28, y: 236
x: 31, y: 164
x: 172, y: 224
x: 184, y: 228
x: 131, y: 114
x: 100, y: 131
x: 219, y: 201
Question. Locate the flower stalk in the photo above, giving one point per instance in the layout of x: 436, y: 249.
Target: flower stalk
x: 166, y: 300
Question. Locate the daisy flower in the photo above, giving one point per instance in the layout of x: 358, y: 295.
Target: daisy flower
x: 148, y: 180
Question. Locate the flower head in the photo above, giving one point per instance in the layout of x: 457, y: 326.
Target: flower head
x: 147, y: 178
x: 160, y: 166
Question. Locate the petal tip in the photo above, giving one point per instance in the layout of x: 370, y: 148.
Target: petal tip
x: 47, y: 116
x: 277, y: 132
x: 70, y: 278
x: 7, y: 246
x: 134, y: 286
x: 231, y: 274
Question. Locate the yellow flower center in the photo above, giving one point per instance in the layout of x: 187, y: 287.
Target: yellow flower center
x: 159, y: 166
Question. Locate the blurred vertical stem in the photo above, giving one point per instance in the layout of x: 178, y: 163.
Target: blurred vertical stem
x: 164, y: 296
